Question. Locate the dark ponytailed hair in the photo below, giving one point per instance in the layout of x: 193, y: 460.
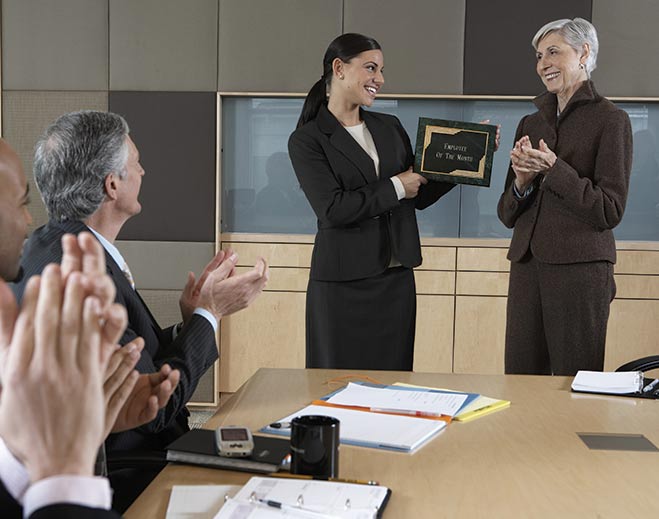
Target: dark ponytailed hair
x: 345, y: 47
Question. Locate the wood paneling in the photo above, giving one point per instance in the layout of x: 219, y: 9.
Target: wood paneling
x: 276, y: 254
x: 483, y: 259
x: 632, y: 332
x: 434, y: 282
x: 433, y: 345
x: 637, y: 262
x: 438, y: 258
x: 637, y: 287
x: 480, y: 332
x: 482, y: 283
x: 270, y: 333
x: 284, y: 279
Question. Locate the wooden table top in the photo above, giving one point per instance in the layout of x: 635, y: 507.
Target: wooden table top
x: 524, y: 461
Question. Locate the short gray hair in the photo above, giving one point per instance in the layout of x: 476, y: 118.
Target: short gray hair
x: 575, y: 33
x: 72, y: 159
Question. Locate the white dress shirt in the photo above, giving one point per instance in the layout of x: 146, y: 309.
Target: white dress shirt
x: 91, y: 491
x: 119, y: 260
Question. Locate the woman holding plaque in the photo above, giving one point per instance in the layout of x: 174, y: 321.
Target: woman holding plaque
x: 566, y: 190
x: 354, y: 167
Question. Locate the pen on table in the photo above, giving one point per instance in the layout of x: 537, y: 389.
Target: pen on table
x: 296, y: 509
x: 280, y: 425
x: 406, y: 412
x: 651, y: 386
x: 322, y: 478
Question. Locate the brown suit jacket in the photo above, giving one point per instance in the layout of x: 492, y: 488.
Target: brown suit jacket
x: 570, y: 213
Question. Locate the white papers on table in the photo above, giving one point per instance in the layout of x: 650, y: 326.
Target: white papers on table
x: 404, y: 400
x: 304, y: 498
x: 618, y: 382
x: 384, y: 431
x: 198, y: 501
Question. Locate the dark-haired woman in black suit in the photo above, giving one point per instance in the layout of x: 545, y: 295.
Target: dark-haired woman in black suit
x: 354, y: 167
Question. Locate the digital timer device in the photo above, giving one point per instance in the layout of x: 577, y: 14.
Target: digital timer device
x: 234, y: 441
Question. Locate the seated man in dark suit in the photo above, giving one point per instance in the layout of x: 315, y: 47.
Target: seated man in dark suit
x: 88, y: 172
x: 46, y: 456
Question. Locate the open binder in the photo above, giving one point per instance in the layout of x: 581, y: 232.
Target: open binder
x: 618, y: 383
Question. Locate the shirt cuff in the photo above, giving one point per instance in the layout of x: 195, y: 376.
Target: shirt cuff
x: 12, y: 473
x: 91, y: 491
x: 528, y: 191
x: 398, y: 186
x: 208, y: 316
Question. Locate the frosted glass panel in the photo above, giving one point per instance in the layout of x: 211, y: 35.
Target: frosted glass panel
x: 261, y: 193
x: 641, y: 220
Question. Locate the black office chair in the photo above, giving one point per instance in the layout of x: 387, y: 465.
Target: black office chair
x: 643, y: 364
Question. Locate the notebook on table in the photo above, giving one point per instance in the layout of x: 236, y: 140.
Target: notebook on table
x: 197, y: 447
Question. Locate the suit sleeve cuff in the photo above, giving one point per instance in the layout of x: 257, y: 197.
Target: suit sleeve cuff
x: 208, y: 316
x: 12, y: 473
x: 398, y: 186
x: 93, y: 492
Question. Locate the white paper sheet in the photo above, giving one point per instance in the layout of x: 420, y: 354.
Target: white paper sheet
x: 198, y: 501
x: 403, y: 433
x: 421, y: 402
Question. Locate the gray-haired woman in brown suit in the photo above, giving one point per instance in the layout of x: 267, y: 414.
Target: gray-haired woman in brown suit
x: 566, y: 190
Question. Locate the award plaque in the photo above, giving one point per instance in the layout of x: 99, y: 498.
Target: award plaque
x: 453, y: 151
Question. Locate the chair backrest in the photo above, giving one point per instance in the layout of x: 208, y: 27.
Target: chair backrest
x: 642, y: 364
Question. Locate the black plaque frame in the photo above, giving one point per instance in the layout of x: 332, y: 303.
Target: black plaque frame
x: 455, y: 151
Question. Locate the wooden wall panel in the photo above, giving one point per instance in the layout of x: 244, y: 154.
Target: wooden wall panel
x: 637, y: 287
x: 433, y: 347
x: 434, y: 282
x: 483, y: 259
x: 284, y: 279
x: 270, y: 333
x: 482, y: 283
x: 480, y: 328
x: 637, y: 262
x: 276, y: 254
x: 438, y: 258
x: 632, y: 332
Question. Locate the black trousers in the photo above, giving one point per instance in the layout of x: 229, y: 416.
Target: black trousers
x: 363, y: 324
x: 557, y: 316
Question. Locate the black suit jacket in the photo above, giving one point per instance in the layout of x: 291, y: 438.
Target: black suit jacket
x: 192, y: 353
x: 361, y: 222
x: 12, y: 510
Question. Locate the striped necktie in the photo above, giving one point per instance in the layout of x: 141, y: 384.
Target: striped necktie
x: 128, y: 275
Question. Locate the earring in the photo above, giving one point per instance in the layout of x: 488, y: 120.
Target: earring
x: 341, y: 77
x: 581, y: 66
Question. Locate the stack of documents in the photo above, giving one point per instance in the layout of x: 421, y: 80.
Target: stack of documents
x: 479, y: 407
x: 384, y: 417
x: 617, y: 383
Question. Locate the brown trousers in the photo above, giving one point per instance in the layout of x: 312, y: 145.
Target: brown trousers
x: 557, y: 316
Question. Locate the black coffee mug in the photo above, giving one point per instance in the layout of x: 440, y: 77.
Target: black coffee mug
x: 315, y: 446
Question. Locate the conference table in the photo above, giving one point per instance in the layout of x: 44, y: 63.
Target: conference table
x: 523, y: 461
